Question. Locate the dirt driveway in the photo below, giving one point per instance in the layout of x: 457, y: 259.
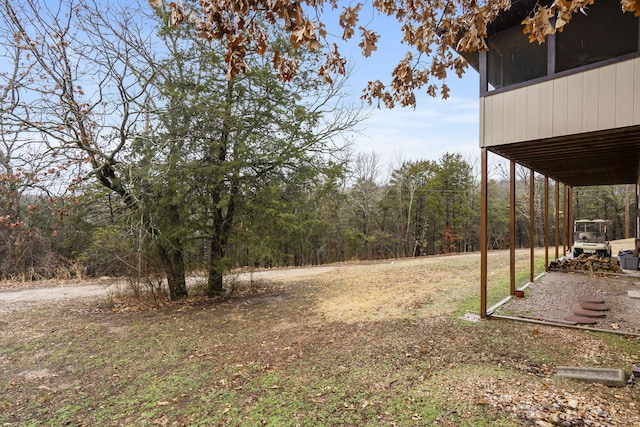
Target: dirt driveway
x: 60, y: 293
x: 11, y: 293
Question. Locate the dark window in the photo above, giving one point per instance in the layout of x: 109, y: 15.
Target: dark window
x: 512, y: 59
x: 602, y: 32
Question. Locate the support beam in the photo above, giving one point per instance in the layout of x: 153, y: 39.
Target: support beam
x: 546, y: 223
x: 557, y: 240
x: 570, y: 219
x: 532, y: 223
x: 626, y: 211
x: 512, y: 228
x: 565, y: 221
x: 483, y: 231
x: 636, y: 251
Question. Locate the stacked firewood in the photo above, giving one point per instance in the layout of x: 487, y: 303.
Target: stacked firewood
x: 591, y: 263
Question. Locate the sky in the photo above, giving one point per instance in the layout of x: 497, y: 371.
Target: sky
x: 434, y: 127
x: 427, y: 132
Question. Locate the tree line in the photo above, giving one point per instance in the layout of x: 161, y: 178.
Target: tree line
x: 126, y: 148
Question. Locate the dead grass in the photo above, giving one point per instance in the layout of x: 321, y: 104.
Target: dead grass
x: 367, y: 344
x: 414, y: 288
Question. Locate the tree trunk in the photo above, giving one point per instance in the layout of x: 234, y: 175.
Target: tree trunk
x: 216, y: 268
x: 173, y: 265
x: 222, y: 218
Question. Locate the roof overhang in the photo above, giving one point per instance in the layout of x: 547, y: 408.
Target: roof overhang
x: 610, y: 157
x: 513, y: 16
x: 508, y: 18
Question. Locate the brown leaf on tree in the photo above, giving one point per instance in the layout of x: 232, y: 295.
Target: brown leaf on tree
x: 459, y: 65
x: 305, y: 34
x: 235, y: 58
x: 471, y: 41
x: 177, y: 13
x: 444, y: 91
x: 402, y: 75
x: 287, y: 68
x: 387, y: 99
x: 539, y: 25
x: 369, y: 41
x: 374, y: 90
x: 324, y: 73
x: 631, y: 6
x: 276, y: 59
x: 564, y: 10
x: 348, y: 20
x: 432, y: 28
x: 334, y: 64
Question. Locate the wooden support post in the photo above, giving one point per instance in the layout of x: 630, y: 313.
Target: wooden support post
x: 483, y: 231
x: 532, y: 224
x: 546, y: 223
x: 570, y: 219
x: 565, y: 221
x: 557, y: 240
x: 636, y: 251
x: 512, y: 228
x: 626, y: 211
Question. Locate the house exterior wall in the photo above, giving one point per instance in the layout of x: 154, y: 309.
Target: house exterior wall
x: 598, y: 99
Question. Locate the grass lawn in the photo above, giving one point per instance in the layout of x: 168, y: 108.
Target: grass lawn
x: 365, y: 344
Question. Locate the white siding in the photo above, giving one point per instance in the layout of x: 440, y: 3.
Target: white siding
x: 520, y: 113
x: 574, y: 104
x: 598, y: 99
x: 560, y: 117
x: 546, y: 113
x: 623, y: 83
x: 508, y: 117
x: 636, y: 92
x: 590, y: 101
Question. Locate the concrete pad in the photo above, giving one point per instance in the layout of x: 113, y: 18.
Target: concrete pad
x: 608, y: 377
x: 633, y: 294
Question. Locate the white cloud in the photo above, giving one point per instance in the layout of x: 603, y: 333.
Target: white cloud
x: 432, y: 129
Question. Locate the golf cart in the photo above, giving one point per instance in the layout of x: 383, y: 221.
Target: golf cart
x: 590, y: 237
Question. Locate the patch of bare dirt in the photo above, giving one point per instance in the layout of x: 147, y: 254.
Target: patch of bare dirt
x: 399, y: 289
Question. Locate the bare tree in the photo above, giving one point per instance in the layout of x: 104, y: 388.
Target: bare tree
x: 26, y: 171
x: 364, y: 196
x: 145, y: 109
x: 82, y: 100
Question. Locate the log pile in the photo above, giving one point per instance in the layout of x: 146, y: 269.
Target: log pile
x: 591, y: 263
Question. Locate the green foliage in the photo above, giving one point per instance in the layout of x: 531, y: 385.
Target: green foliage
x: 605, y: 202
x: 201, y: 172
x: 112, y: 252
x: 430, y: 207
